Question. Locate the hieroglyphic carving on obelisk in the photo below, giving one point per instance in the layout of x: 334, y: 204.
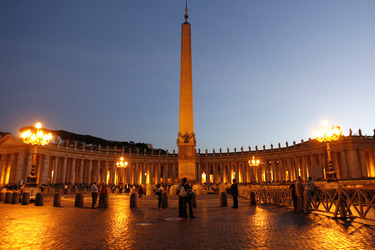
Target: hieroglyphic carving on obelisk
x: 186, y: 137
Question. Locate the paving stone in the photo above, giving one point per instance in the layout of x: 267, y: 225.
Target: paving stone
x: 146, y: 227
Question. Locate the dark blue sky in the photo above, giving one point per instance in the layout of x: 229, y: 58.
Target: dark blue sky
x: 263, y: 71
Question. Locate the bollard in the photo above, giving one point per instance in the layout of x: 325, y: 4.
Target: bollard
x: 193, y: 200
x: 133, y: 200
x: 57, y: 200
x: 164, y: 200
x: 172, y: 190
x: 25, y: 198
x: 79, y: 200
x: 223, y: 200
x: 60, y: 190
x: 106, y: 201
x: 84, y: 190
x: 148, y: 189
x: 8, y: 197
x: 252, y: 198
x: 15, y: 198
x: 39, y: 199
x: 76, y: 190
x: 3, y: 194
x: 51, y: 190
x: 199, y: 189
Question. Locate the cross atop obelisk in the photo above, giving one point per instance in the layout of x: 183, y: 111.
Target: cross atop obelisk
x: 186, y: 136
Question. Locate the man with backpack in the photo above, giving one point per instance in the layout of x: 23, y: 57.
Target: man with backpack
x: 185, y: 194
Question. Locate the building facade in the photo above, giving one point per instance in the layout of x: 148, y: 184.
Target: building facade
x: 353, y: 158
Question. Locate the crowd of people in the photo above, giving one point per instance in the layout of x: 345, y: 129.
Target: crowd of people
x: 302, y: 194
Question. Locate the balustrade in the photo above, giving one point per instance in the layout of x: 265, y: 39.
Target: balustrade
x: 340, y: 202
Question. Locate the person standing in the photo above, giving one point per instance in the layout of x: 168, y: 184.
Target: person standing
x: 180, y: 199
x: 94, y: 194
x: 186, y: 195
x: 140, y: 193
x: 292, y: 189
x: 299, y: 191
x: 307, y: 193
x: 103, y: 193
x: 234, y: 191
x: 159, y: 193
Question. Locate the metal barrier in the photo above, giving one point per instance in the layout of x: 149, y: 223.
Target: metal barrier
x: 341, y: 202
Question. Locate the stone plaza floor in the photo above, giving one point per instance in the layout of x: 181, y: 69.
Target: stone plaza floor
x: 146, y: 227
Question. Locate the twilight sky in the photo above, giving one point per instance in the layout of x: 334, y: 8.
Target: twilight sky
x: 263, y: 71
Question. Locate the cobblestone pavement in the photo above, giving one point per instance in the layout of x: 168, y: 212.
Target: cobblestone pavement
x: 146, y: 227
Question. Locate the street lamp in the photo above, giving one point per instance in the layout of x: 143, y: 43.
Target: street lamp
x: 255, y: 163
x: 327, y: 134
x: 121, y: 164
x: 36, y: 137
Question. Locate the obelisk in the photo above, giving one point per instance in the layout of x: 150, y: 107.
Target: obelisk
x: 186, y: 137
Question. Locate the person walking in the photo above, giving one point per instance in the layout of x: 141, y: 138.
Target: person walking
x: 234, y: 191
x: 185, y: 193
x: 307, y: 193
x: 94, y: 194
x: 299, y: 191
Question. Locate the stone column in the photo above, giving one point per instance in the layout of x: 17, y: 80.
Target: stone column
x: 20, y: 164
x: 106, y: 172
x: 28, y: 165
x: 336, y: 164
x: 2, y: 169
x: 281, y: 170
x: 207, y: 173
x: 56, y: 171
x: 221, y: 173
x: 289, y: 167
x: 214, y: 172
x: 44, y: 170
x: 159, y: 174
x: 304, y: 168
x: 73, y: 172
x: 136, y: 176
x: 321, y: 164
x: 371, y: 154
x: 235, y: 171
x: 152, y: 174
x: 273, y: 169
x: 63, y: 174
x: 144, y: 180
x: 174, y: 174
x: 113, y: 173
x: 199, y: 174
x: 241, y: 172
x: 353, y: 163
x: 166, y: 173
x: 89, y: 172
x: 363, y: 163
x: 97, y: 171
x: 81, y: 171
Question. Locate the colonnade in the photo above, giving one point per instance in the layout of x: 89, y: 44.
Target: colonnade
x: 278, y: 167
x: 15, y: 168
x: 353, y: 158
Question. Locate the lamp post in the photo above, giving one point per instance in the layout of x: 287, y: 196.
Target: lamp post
x: 121, y: 164
x: 36, y: 137
x: 254, y: 163
x: 327, y: 134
